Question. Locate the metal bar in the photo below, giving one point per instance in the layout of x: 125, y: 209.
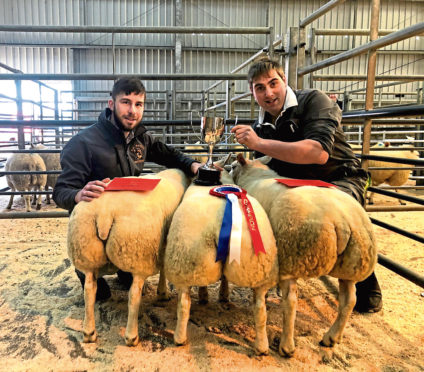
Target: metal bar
x: 390, y: 159
x: 117, y: 76
x: 30, y: 172
x: 379, y: 43
x: 405, y: 78
x: 349, y: 31
x: 137, y: 29
x: 397, y: 230
x: 396, y: 195
x: 369, y: 98
x: 394, y: 208
x: 26, y: 192
x: 319, y: 12
x: 13, y: 215
x: 386, y: 112
x: 82, y: 123
x: 401, y: 270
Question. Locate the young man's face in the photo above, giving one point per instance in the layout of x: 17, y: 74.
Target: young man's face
x: 270, y: 91
x: 128, y: 109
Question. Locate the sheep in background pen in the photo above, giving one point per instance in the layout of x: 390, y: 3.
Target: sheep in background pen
x: 125, y: 230
x: 319, y: 231
x: 191, y: 252
x: 52, y: 162
x: 392, y: 177
x: 26, y: 182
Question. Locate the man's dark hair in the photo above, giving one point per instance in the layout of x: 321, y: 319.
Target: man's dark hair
x: 127, y: 86
x: 262, y: 66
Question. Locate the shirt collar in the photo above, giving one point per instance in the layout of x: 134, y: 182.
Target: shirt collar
x: 290, y: 101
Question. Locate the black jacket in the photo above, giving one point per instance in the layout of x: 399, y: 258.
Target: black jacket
x: 100, y: 151
x: 318, y: 118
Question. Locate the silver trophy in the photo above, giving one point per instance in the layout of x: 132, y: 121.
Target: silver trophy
x: 212, y: 130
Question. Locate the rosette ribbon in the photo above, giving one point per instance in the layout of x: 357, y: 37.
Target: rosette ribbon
x: 229, y: 242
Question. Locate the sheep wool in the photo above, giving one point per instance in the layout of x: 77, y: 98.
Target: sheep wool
x: 125, y: 230
x: 52, y: 162
x: 26, y: 182
x: 319, y: 231
x: 191, y: 252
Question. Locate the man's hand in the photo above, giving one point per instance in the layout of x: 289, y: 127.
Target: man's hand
x: 91, y: 190
x: 195, y: 167
x: 245, y: 135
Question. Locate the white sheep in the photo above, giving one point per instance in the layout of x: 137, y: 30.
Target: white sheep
x: 52, y: 162
x: 125, y: 230
x: 191, y: 251
x: 202, y: 150
x: 392, y: 177
x: 319, y: 231
x: 25, y: 182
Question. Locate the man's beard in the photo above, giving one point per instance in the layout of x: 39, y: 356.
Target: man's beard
x: 120, y: 125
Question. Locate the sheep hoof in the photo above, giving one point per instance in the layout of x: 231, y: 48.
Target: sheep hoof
x: 180, y: 341
x: 38, y: 207
x: 286, y: 349
x: 327, y: 341
x: 132, y: 341
x: 90, y: 337
x: 261, y: 350
x: 285, y: 353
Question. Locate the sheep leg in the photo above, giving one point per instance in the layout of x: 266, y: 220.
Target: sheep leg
x: 259, y: 311
x: 27, y: 199
x: 401, y: 202
x: 289, y: 303
x: 134, y: 300
x: 9, y: 206
x: 223, y: 290
x: 90, y: 289
x: 347, y: 300
x: 47, y: 197
x: 371, y: 198
x: 183, y: 314
x: 203, y: 295
x: 41, y: 188
x: 162, y: 290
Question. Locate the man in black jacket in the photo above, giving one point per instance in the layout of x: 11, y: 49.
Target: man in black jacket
x: 116, y: 146
x: 301, y: 131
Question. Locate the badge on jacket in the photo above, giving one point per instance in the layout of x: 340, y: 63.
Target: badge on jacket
x: 138, y: 149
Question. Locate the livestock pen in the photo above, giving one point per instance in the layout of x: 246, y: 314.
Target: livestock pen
x: 41, y: 302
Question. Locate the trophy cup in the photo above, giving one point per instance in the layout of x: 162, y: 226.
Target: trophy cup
x: 212, y: 129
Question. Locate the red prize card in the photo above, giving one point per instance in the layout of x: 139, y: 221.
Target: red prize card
x: 296, y: 183
x: 132, y: 184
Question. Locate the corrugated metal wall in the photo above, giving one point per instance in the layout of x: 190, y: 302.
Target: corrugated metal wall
x: 154, y: 53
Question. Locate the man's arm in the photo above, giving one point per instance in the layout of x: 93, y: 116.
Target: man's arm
x: 71, y: 186
x: 301, y: 152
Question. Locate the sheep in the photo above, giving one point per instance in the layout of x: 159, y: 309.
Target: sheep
x: 319, y: 231
x: 192, y: 247
x: 125, y: 230
x: 197, y: 146
x: 392, y: 177
x: 26, y: 182
x: 52, y: 162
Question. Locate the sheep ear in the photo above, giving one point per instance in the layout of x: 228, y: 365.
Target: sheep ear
x: 224, y: 160
x: 264, y: 159
x: 241, y: 159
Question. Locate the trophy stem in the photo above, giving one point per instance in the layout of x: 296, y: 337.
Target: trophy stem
x: 209, y: 163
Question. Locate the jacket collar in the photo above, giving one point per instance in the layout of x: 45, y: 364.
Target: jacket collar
x: 290, y: 101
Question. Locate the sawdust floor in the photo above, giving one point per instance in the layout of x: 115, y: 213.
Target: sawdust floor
x: 42, y: 308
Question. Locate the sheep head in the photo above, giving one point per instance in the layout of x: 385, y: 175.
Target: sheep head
x: 242, y: 166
